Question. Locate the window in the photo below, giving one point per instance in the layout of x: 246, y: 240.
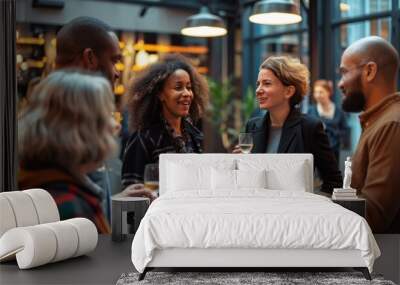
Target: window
x: 355, y: 8
x: 354, y: 31
x: 349, y: 33
x: 262, y: 41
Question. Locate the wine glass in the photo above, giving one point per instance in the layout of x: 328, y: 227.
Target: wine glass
x: 246, y: 142
x: 151, y: 177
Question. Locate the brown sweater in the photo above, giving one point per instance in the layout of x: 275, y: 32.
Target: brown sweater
x: 376, y: 165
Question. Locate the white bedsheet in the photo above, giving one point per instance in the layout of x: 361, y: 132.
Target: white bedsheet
x: 252, y: 218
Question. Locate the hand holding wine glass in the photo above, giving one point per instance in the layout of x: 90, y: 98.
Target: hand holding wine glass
x: 245, y: 142
x: 151, y: 177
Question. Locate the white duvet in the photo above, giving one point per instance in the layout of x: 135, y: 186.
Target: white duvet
x: 252, y: 218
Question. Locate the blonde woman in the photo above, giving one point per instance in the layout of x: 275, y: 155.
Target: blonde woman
x: 64, y: 133
x: 281, y: 85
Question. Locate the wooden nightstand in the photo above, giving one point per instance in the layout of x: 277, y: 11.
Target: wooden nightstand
x: 357, y: 205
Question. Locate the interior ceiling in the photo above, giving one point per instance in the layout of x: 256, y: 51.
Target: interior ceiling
x: 229, y: 7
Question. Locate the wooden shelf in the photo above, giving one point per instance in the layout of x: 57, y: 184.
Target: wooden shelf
x: 30, y: 41
x: 168, y: 48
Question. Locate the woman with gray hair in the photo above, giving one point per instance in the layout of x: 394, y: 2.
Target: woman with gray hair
x: 66, y: 132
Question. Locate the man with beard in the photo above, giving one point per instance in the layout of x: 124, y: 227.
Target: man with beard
x: 90, y: 44
x: 369, y: 69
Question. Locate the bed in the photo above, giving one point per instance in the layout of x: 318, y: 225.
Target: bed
x: 246, y: 211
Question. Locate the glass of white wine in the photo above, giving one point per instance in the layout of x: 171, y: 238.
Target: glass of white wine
x: 151, y: 177
x: 246, y: 142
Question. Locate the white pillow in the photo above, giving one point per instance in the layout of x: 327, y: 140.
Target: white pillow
x: 290, y: 179
x: 223, y: 179
x: 226, y: 179
x: 251, y: 178
x: 189, y: 174
x: 186, y: 177
x: 280, y: 174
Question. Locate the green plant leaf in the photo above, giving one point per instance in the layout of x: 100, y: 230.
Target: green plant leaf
x: 223, y: 108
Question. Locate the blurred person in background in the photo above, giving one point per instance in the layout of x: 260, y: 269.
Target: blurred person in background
x: 29, y: 90
x: 165, y: 101
x: 281, y: 85
x: 332, y: 116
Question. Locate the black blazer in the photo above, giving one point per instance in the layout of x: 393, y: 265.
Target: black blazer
x: 300, y: 134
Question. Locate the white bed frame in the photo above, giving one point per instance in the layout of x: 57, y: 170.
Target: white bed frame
x: 251, y: 258
x: 234, y: 257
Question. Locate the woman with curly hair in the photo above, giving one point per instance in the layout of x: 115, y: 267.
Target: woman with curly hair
x: 165, y: 101
x: 281, y: 85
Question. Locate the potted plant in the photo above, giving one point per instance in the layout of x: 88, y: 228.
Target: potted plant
x: 228, y: 113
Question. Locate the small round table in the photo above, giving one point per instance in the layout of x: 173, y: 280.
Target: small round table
x: 126, y: 214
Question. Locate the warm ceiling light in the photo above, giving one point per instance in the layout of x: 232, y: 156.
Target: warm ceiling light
x: 204, y: 24
x: 344, y: 7
x: 275, y: 12
x: 142, y: 57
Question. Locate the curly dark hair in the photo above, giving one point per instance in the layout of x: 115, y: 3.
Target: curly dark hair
x: 144, y: 105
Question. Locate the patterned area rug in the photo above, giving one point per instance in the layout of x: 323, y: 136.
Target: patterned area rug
x: 230, y: 278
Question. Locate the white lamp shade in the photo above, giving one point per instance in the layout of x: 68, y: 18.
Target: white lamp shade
x: 275, y: 12
x: 204, y: 31
x: 204, y: 24
x: 142, y: 58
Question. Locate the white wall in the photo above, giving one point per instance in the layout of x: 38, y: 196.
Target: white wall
x: 121, y: 16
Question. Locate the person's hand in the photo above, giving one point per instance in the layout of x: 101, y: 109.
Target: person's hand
x: 237, y: 149
x: 115, y: 126
x: 138, y: 190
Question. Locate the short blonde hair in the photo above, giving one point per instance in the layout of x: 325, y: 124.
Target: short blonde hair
x: 67, y: 123
x: 290, y: 71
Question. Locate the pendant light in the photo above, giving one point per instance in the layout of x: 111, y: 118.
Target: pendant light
x: 204, y: 24
x: 142, y: 57
x: 275, y: 12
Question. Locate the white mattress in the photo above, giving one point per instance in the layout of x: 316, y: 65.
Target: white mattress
x: 253, y: 218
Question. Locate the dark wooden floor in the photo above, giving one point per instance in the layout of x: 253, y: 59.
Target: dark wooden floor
x: 106, y: 264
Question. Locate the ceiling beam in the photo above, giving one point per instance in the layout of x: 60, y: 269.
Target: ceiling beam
x: 227, y: 6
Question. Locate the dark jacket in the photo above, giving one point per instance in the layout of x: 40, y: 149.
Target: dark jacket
x: 74, y: 198
x: 300, y: 134
x: 335, y: 128
x: 146, y: 145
